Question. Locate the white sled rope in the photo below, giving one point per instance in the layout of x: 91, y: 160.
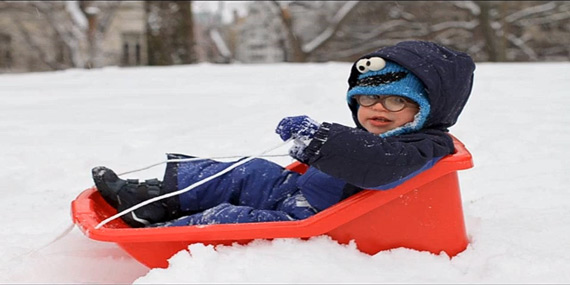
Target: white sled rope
x: 167, y: 195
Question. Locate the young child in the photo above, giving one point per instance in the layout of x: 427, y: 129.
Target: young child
x: 403, y: 99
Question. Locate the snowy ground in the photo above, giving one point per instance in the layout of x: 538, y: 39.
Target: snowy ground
x: 54, y: 127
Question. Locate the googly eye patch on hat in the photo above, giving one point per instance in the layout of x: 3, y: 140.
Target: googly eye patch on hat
x: 376, y: 71
x: 366, y: 64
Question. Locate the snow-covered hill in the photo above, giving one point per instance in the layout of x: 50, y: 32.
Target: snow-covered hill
x: 54, y: 127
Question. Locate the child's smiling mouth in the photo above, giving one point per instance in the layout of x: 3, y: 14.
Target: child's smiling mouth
x: 379, y: 121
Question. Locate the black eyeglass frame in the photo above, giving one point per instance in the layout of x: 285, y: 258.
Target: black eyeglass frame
x: 382, y: 100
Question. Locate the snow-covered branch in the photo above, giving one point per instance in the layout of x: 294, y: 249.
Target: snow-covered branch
x: 545, y: 19
x: 66, y: 33
x: 455, y: 24
x: 332, y: 27
x: 219, y: 43
x: 77, y: 16
x: 473, y: 8
x: 520, y: 43
x: 40, y: 52
x: 383, y: 28
x: 530, y: 11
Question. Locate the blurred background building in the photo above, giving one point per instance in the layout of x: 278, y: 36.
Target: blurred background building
x: 57, y: 35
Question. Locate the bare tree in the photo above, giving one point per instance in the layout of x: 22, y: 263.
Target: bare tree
x: 375, y: 24
x: 494, y: 38
x: 350, y: 28
x: 62, y: 49
x: 170, y: 32
x: 489, y: 30
x: 99, y: 15
x: 302, y: 50
x: 542, y: 30
x: 521, y: 30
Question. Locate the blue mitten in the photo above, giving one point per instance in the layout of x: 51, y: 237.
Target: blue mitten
x: 299, y: 127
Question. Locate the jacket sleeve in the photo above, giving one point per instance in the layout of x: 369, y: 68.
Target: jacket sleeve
x: 368, y: 161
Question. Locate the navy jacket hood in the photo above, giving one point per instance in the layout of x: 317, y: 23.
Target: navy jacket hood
x: 446, y: 74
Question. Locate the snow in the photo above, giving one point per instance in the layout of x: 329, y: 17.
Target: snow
x: 56, y: 126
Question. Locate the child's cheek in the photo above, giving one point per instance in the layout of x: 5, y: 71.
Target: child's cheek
x: 361, y: 116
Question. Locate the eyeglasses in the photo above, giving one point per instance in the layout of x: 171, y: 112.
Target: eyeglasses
x: 391, y: 103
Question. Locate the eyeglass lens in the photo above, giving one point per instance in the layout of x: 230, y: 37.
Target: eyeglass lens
x: 390, y: 103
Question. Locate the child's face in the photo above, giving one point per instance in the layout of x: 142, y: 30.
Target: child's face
x: 377, y: 119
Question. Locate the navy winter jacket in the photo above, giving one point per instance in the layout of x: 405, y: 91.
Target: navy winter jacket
x: 364, y: 160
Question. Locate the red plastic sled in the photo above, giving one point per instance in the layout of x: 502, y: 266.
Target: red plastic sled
x: 424, y: 213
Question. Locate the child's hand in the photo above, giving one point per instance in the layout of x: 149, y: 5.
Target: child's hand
x: 297, y: 151
x: 298, y: 127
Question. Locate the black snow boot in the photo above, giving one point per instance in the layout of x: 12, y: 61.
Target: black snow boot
x: 123, y: 194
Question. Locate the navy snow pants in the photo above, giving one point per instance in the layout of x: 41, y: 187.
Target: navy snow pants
x: 256, y: 191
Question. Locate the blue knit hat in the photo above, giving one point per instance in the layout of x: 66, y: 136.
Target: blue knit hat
x: 381, y: 77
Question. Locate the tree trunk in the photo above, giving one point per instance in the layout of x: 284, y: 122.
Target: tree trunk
x: 297, y: 50
x: 170, y: 35
x: 187, y: 31
x: 494, y: 44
